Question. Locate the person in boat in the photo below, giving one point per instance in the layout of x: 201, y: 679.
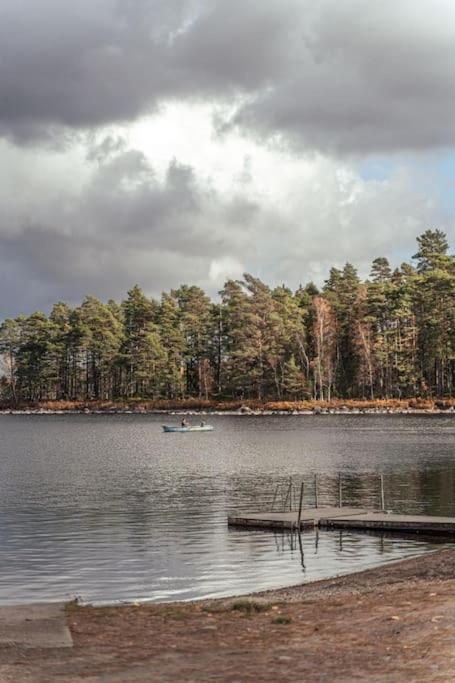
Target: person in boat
x: 202, y: 423
x: 184, y: 422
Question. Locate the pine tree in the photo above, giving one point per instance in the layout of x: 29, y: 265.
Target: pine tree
x: 100, y: 337
x: 233, y: 340
x: 34, y: 369
x: 10, y: 344
x: 341, y: 291
x: 435, y: 303
x: 60, y: 319
x: 433, y: 252
x: 174, y: 344
x: 292, y: 341
x: 378, y: 315
x: 143, y: 354
x: 325, y: 342
x: 196, y: 324
x: 391, y: 336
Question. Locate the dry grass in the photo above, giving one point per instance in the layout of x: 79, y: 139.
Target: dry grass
x: 195, y: 404
x: 249, y: 607
x: 282, y: 620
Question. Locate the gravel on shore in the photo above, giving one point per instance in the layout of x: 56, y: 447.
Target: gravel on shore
x: 392, y: 623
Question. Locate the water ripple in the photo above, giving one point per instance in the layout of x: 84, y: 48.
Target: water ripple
x: 110, y: 508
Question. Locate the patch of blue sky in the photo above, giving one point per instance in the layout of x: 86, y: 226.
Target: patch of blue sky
x: 377, y: 169
x: 437, y: 173
x: 433, y: 174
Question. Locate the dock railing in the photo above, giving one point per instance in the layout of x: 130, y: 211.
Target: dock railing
x: 320, y: 491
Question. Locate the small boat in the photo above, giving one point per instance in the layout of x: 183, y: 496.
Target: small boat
x: 188, y: 428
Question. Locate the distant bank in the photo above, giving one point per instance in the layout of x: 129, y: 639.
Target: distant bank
x: 140, y: 406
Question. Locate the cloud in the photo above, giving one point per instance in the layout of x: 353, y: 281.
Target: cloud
x: 83, y: 64
x: 124, y: 224
x: 118, y: 220
x: 367, y: 78
x: 169, y: 141
x: 349, y: 77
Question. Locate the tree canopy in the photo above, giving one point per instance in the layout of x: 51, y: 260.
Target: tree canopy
x: 391, y: 336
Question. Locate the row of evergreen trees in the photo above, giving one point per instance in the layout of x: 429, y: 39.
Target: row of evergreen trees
x: 391, y: 336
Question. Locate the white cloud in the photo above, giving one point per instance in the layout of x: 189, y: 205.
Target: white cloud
x: 224, y: 268
x: 97, y: 220
x: 187, y: 140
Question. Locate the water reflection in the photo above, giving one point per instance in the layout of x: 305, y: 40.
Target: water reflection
x: 111, y: 508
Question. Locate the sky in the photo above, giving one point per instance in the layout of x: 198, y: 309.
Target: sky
x: 167, y: 141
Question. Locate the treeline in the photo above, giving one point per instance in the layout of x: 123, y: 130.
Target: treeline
x: 392, y: 336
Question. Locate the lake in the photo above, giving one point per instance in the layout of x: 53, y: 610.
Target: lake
x: 108, y: 507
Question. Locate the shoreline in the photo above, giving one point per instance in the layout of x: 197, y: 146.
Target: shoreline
x: 286, y: 593
x: 393, y: 622
x: 237, y: 413
x: 411, y: 406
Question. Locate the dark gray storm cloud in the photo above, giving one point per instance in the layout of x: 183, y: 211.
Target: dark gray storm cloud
x: 81, y: 211
x: 352, y: 76
x: 123, y: 226
x: 81, y: 64
x: 367, y: 77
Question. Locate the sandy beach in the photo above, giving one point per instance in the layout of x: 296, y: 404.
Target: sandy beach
x: 393, y: 623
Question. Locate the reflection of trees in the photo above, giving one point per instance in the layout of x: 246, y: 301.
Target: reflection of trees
x: 419, y: 491
x: 438, y: 487
x: 422, y: 491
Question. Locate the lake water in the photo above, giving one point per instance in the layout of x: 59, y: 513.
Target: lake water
x: 110, y: 508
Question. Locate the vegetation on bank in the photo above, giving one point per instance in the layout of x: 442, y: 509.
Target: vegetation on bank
x: 210, y: 405
x: 389, y: 337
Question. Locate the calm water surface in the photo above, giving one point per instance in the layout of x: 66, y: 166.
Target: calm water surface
x: 110, y: 508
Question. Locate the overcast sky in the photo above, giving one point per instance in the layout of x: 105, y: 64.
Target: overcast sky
x: 170, y: 141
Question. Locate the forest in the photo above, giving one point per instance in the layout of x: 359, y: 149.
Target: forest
x: 390, y: 336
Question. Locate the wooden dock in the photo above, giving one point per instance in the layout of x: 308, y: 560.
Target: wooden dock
x: 288, y: 520
x: 392, y: 522
x: 346, y: 518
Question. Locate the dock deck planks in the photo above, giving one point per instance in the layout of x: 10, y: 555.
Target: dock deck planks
x: 345, y: 518
x: 288, y: 520
x: 392, y: 522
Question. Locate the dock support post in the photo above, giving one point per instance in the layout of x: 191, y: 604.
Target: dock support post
x: 302, y: 556
x: 299, y: 519
x: 340, y: 491
x: 382, y: 494
x: 288, y: 495
x: 316, y: 490
x: 274, y: 496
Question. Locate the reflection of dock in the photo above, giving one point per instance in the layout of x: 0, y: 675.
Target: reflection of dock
x: 346, y: 518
